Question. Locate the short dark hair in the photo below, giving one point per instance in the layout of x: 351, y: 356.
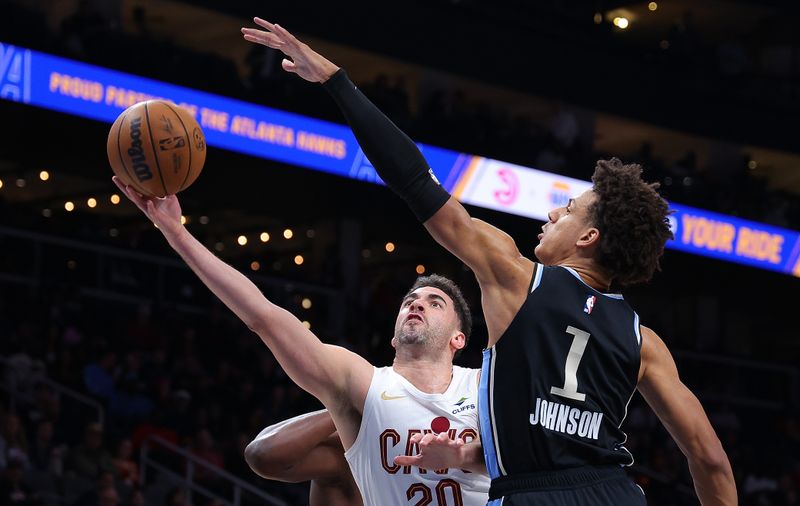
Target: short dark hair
x: 633, y: 220
x: 454, y: 292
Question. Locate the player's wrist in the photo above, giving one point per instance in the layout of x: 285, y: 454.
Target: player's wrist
x: 174, y: 233
x: 327, y: 70
x: 471, y: 458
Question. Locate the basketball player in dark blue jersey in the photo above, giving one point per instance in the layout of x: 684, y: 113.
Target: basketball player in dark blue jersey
x: 565, y: 353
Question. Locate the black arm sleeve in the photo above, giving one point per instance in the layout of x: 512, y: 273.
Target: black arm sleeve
x: 394, y: 155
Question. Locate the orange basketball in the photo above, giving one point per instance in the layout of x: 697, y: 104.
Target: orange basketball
x: 156, y: 147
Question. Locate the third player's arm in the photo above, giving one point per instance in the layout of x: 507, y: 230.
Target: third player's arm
x: 683, y: 416
x: 302, y: 448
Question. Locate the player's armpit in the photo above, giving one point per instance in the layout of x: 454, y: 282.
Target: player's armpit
x: 334, y: 375
x: 683, y: 416
x: 491, y: 253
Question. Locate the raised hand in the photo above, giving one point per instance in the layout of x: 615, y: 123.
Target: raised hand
x: 303, y: 61
x: 436, y: 451
x: 164, y: 212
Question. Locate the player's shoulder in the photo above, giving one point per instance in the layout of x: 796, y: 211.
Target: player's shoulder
x: 465, y: 371
x: 467, y: 374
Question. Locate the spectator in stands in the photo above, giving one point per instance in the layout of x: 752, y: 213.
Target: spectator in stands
x: 102, y: 493
x: 176, y: 497
x: 46, y: 452
x: 12, y: 489
x: 98, y: 377
x: 13, y: 442
x: 107, y: 496
x: 204, y: 447
x: 137, y: 498
x: 126, y: 468
x: 90, y: 459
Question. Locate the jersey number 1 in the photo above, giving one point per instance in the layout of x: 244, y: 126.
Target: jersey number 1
x: 570, y: 388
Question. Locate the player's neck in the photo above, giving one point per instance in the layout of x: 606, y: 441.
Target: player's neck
x: 589, y: 274
x: 429, y: 376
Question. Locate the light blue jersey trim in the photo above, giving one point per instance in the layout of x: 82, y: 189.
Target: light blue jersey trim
x: 579, y: 278
x: 537, y: 278
x: 485, y: 413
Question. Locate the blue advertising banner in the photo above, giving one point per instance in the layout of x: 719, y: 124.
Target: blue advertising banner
x: 93, y: 92
x: 735, y: 240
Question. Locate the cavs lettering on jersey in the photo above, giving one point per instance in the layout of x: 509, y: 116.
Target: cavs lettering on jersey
x: 394, y: 411
x: 556, y: 386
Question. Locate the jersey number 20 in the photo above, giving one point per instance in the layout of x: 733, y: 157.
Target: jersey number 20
x: 426, y: 497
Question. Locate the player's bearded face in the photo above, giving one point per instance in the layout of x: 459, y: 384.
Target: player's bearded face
x: 413, y: 334
x: 421, y: 320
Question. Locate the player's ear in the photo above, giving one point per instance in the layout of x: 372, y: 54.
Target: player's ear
x: 394, y: 342
x: 458, y: 341
x: 590, y: 237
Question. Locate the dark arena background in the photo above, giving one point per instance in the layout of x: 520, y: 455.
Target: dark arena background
x: 120, y: 367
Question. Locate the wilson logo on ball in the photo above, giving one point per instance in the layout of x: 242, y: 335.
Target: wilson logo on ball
x: 136, y: 152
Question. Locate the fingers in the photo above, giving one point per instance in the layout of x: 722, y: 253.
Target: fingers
x: 262, y: 37
x: 117, y: 181
x: 408, y: 460
x: 289, y: 66
x: 285, y: 35
x: 275, y: 37
x: 440, y: 438
x: 132, y: 194
x: 263, y: 22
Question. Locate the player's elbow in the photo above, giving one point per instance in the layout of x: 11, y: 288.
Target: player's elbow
x: 710, y: 455
x: 267, y: 461
x: 263, y: 321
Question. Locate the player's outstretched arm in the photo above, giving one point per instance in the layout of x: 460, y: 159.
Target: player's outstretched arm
x: 489, y: 252
x: 337, y: 377
x: 683, y: 416
x: 302, y: 448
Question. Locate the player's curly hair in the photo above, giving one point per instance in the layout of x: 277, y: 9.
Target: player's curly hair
x: 452, y: 290
x: 633, y: 220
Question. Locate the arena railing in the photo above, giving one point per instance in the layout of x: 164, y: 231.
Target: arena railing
x: 121, y: 275
x: 20, y: 383
x: 185, y: 476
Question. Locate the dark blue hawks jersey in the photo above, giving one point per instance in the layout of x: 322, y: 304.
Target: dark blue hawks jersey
x: 555, y: 388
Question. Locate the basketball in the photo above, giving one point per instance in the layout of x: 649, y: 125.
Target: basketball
x: 156, y: 147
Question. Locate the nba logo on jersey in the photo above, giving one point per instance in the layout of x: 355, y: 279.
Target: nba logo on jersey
x: 587, y: 308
